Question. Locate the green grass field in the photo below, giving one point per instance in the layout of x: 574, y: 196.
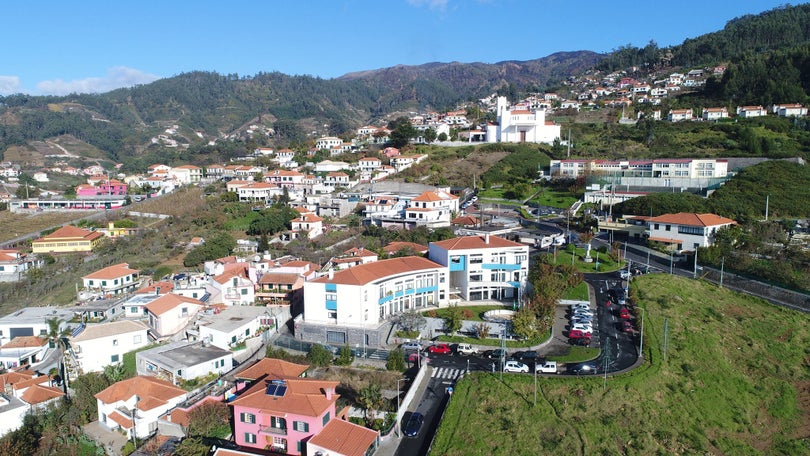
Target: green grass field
x: 733, y: 380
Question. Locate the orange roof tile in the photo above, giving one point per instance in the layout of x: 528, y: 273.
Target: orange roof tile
x: 26, y: 342
x: 396, y: 246
x: 476, y: 242
x: 120, y: 419
x: 168, y: 302
x: 165, y: 287
x: 182, y: 416
x: 692, y: 219
x: 112, y: 272
x: 365, y: 273
x: 279, y: 277
x: 151, y: 391
x: 70, y: 232
x: 274, y: 368
x: 434, y: 196
x: 307, y: 397
x: 37, y: 394
x: 346, y: 438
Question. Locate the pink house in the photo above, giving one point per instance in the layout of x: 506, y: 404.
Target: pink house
x: 106, y: 187
x: 279, y: 411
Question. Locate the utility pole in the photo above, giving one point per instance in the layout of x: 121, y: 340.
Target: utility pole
x: 670, y: 261
x: 694, y: 273
x: 767, y: 201
x: 666, y: 337
x: 722, y: 263
x: 641, y: 336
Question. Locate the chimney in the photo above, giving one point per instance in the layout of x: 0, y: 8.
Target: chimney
x: 328, y: 392
x: 486, y: 238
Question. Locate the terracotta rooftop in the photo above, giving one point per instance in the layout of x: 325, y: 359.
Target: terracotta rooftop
x: 151, y: 391
x: 692, y: 219
x: 345, y: 438
x: 168, y: 302
x: 165, y: 287
x: 396, y: 246
x: 435, y: 196
x: 306, y: 397
x: 365, y: 273
x: 272, y: 367
x: 476, y: 242
x: 69, y: 232
x: 37, y: 394
x: 25, y: 342
x: 112, y: 272
x: 279, y: 277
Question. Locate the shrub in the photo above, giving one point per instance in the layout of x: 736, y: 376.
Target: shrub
x: 396, y: 360
x: 345, y: 356
x: 319, y: 356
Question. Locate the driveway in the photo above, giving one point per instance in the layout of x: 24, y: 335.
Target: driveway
x: 112, y: 441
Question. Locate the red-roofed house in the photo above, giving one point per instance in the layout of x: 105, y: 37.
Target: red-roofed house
x: 433, y: 208
x: 171, y: 313
x: 143, y: 398
x: 22, y: 351
x: 684, y: 230
x: 348, y: 306
x: 751, y: 111
x: 67, y: 239
x: 342, y: 438
x: 14, y: 264
x: 279, y: 288
x: 281, y: 414
x: 112, y: 280
x: 232, y: 288
x: 310, y: 224
x: 483, y: 267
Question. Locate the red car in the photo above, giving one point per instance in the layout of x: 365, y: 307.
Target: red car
x: 578, y: 334
x: 627, y: 327
x: 624, y: 313
x: 441, y: 349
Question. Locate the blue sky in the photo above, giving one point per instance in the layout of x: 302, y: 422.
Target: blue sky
x: 59, y: 47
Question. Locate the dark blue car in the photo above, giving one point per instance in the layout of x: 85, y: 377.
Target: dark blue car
x: 414, y: 424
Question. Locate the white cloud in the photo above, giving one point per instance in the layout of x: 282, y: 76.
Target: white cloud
x: 116, y: 78
x: 9, y: 85
x: 439, y: 5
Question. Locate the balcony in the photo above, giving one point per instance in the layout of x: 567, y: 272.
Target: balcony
x: 272, y: 430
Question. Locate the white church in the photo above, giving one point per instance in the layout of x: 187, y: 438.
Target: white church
x: 521, y: 125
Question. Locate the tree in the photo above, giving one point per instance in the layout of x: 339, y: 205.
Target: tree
x: 396, y: 360
x: 401, y: 132
x: 452, y: 322
x: 430, y: 135
x: 525, y: 324
x: 115, y: 372
x: 370, y: 398
x: 192, y: 446
x: 209, y: 420
x: 344, y: 356
x: 319, y: 356
x: 85, y: 387
x: 482, y: 330
x: 442, y: 137
x: 411, y: 320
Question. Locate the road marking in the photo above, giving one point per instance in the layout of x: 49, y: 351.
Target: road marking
x: 446, y: 373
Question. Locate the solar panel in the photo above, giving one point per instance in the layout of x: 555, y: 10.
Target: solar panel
x: 276, y: 388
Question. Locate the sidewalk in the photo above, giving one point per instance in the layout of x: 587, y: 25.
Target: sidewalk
x: 390, y: 444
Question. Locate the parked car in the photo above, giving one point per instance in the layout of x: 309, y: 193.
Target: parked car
x: 582, y: 306
x: 414, y: 424
x: 495, y: 354
x: 582, y: 327
x: 582, y: 312
x: 529, y: 356
x: 626, y: 326
x: 583, y: 369
x: 515, y: 366
x: 548, y: 367
x: 624, y: 313
x: 441, y: 349
x: 411, y: 346
x: 624, y: 274
x: 466, y: 349
x: 582, y: 317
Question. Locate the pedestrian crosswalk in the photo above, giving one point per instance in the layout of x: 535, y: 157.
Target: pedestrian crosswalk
x: 447, y: 373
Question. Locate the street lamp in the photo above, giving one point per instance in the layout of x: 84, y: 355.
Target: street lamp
x: 641, y: 337
x: 398, y: 402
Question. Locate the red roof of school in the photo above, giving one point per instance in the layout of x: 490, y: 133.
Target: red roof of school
x: 365, y: 273
x: 692, y: 219
x: 476, y: 242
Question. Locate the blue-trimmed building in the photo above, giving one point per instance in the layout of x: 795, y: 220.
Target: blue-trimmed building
x: 483, y: 267
x: 349, y: 306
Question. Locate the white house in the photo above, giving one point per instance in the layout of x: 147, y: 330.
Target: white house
x: 32, y: 321
x: 233, y: 325
x: 232, y: 288
x: 310, y: 224
x: 789, y: 110
x: 136, y: 404
x: 483, y: 267
x: 183, y: 360
x: 679, y: 115
x: 171, y: 313
x: 521, y: 125
x: 258, y: 192
x: 14, y: 264
x: 715, y: 113
x: 751, y: 111
x: 22, y: 351
x: 433, y: 208
x: 328, y: 142
x: 102, y: 344
x: 348, y: 306
x: 12, y: 412
x: 186, y: 174
x: 685, y: 231
x: 112, y: 280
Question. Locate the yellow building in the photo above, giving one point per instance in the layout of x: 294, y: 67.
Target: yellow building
x: 67, y: 239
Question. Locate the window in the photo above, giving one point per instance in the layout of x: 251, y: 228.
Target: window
x: 331, y: 314
x: 115, y: 342
x: 247, y: 417
x: 244, y: 291
x: 250, y: 438
x: 331, y: 296
x: 114, y: 358
x: 326, y: 418
x: 278, y: 422
x: 133, y: 309
x: 668, y: 227
x: 301, y: 426
x: 184, y: 311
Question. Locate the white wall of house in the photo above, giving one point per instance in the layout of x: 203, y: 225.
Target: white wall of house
x: 224, y: 339
x: 93, y: 355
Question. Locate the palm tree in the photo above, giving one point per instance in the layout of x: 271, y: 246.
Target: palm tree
x: 56, y: 339
x: 370, y: 398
